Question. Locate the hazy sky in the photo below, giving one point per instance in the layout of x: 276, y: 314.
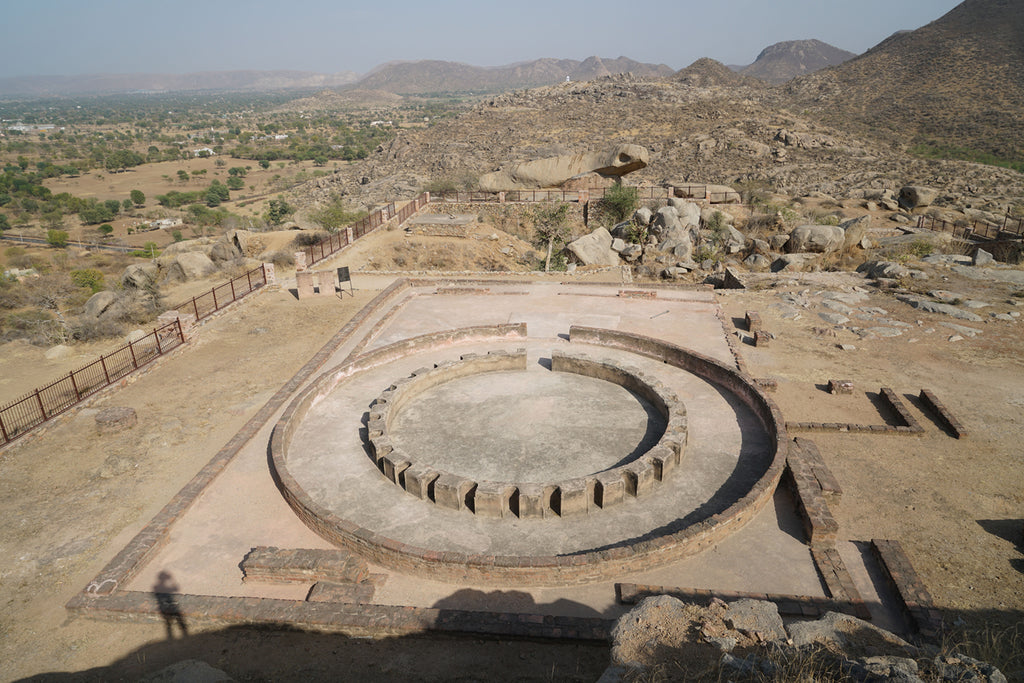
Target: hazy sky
x: 67, y: 37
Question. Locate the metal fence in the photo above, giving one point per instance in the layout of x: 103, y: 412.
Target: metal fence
x: 644, y: 192
x: 21, y: 416
x: 339, y: 240
x: 220, y: 296
x: 1009, y: 229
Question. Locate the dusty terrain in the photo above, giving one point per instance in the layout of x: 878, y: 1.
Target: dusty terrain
x: 72, y: 499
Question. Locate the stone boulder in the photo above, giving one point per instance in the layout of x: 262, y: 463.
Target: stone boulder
x: 224, y: 251
x: 678, y: 242
x: 200, y: 244
x: 733, y: 241
x: 58, y: 352
x: 888, y: 270
x: 98, y: 303
x: 554, y: 171
x: 248, y: 243
x: 855, y: 230
x: 758, y: 619
x: 688, y: 212
x: 643, y: 216
x: 594, y: 249
x: 140, y: 275
x: 191, y: 266
x: 914, y: 196
x: 664, y: 221
x: 795, y: 262
x: 707, y: 214
x: 817, y: 239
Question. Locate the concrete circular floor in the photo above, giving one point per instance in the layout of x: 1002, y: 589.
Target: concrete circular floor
x: 729, y: 450
x: 526, y: 426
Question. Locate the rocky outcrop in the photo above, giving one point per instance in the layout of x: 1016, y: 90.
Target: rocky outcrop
x: 140, y: 275
x: 594, y: 249
x: 554, y: 171
x: 190, y: 266
x: 98, y: 303
x: 914, y: 196
x: 816, y: 239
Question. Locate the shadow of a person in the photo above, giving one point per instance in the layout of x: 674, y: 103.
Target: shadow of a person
x: 164, y: 591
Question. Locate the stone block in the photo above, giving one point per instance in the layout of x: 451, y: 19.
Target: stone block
x: 304, y: 283
x: 762, y: 338
x: 533, y: 501
x: 393, y: 465
x: 610, y: 489
x: 753, y: 321
x: 663, y: 459
x: 639, y: 477
x: 575, y: 497
x: 492, y: 499
x: 115, y: 419
x: 381, y: 447
x: 300, y: 262
x: 270, y: 274
x: 840, y: 386
x: 418, y: 480
x: 326, y: 281
x: 451, y: 490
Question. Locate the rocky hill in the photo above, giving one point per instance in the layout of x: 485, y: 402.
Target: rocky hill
x: 958, y: 81
x: 696, y: 134
x: 42, y: 86
x: 708, y: 72
x: 785, y: 61
x: 434, y: 76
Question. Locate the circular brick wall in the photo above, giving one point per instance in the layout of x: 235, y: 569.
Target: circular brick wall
x: 585, y: 566
x: 534, y: 499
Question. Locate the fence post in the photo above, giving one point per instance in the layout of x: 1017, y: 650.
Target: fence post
x: 103, y: 364
x: 214, y: 292
x: 195, y: 307
x: 232, y: 283
x: 3, y: 430
x: 131, y: 350
x: 42, y: 410
x: 248, y: 278
x: 181, y: 335
x: 156, y: 335
x: 74, y: 385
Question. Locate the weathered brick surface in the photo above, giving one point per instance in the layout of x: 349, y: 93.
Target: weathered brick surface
x: 917, y: 601
x: 840, y: 386
x: 762, y: 338
x: 941, y: 412
x: 638, y: 294
x: 840, y: 584
x: 326, y: 591
x: 303, y: 565
x: 753, y: 319
x: 900, y: 408
x: 819, y: 524
x: 827, y: 483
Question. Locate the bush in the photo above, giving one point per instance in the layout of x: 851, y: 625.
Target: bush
x: 308, y: 238
x: 57, y: 238
x: 89, y: 278
x: 620, y: 202
x: 282, y: 258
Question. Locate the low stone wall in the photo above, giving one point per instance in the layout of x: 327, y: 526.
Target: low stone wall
x: 582, y: 567
x: 580, y: 495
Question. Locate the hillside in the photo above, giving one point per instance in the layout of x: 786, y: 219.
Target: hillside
x: 435, y: 76
x: 708, y: 72
x: 785, y: 61
x: 43, y: 86
x: 958, y: 81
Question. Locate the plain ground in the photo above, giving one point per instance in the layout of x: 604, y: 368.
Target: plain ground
x: 70, y: 500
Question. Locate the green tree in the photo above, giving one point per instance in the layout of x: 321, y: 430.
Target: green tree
x: 113, y: 206
x: 620, y: 201
x: 138, y: 197
x: 239, y: 171
x: 264, y: 163
x: 277, y: 211
x: 106, y: 229
x: 235, y: 183
x: 57, y: 238
x: 88, y: 277
x: 183, y: 175
x: 127, y: 205
x: 334, y: 216
x: 551, y: 227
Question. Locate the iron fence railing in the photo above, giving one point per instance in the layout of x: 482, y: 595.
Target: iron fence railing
x: 220, y: 296
x: 36, y: 407
x: 977, y: 229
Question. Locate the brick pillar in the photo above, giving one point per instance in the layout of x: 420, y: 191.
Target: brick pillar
x: 350, y: 235
x: 269, y: 274
x: 300, y: 262
x: 501, y: 197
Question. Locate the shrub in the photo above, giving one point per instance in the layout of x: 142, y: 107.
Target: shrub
x: 57, y: 238
x: 89, y: 278
x: 620, y: 201
x: 307, y: 238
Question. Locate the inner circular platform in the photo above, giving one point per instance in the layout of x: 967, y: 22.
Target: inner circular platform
x: 526, y: 426
x: 730, y: 470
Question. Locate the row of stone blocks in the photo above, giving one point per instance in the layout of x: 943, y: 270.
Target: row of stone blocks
x: 580, y: 495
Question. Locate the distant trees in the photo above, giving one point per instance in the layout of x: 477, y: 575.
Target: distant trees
x: 138, y: 197
x: 277, y: 211
x: 121, y: 159
x: 57, y: 238
x: 335, y: 216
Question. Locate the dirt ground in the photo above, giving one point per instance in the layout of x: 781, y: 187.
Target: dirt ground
x: 70, y: 500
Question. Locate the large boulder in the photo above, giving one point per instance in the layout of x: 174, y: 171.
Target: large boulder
x: 594, y: 249
x: 200, y: 244
x: 140, y: 275
x: 665, y: 220
x: 795, y: 262
x: 855, y: 230
x: 224, y: 251
x: 98, y: 303
x: 643, y: 216
x: 191, y: 266
x: 817, y: 239
x: 688, y: 212
x: 247, y: 243
x: 914, y: 196
x: 554, y: 171
x: 678, y: 242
